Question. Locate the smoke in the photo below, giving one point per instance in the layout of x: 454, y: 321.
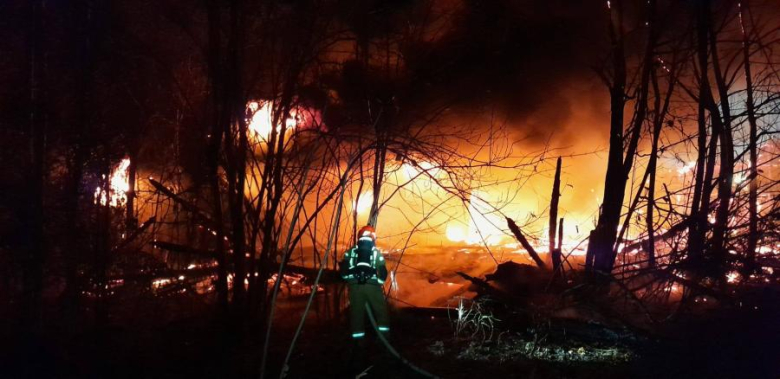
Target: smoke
x: 530, y: 62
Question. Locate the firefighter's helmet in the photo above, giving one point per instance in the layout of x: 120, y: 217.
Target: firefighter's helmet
x: 367, y: 232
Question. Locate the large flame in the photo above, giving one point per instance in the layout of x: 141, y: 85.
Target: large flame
x: 260, y: 124
x: 484, y: 222
x: 119, y: 185
x: 364, y: 202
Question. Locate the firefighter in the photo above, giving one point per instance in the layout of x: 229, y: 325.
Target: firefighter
x: 363, y: 268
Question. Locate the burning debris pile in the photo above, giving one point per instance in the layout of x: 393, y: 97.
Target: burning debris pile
x: 295, y: 285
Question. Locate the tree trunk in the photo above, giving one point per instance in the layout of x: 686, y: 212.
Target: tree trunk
x: 215, y: 88
x: 235, y: 114
x: 752, y: 145
x: 34, y: 216
x: 651, y: 168
x: 602, y: 240
x: 602, y: 244
x: 560, y: 236
x: 726, y: 173
x: 555, y: 254
x: 658, y: 122
x: 558, y: 252
x: 102, y: 244
x: 700, y: 204
x: 83, y: 23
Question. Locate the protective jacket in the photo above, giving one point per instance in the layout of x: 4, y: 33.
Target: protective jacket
x: 363, y: 264
x: 363, y: 268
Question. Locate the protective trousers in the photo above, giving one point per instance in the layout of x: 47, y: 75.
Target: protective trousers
x: 359, y: 296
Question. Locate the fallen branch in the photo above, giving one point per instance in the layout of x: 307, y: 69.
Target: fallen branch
x: 523, y: 241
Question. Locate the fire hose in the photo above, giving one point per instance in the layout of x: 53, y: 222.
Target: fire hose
x: 392, y: 350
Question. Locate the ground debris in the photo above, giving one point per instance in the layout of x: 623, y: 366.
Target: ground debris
x: 517, y: 347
